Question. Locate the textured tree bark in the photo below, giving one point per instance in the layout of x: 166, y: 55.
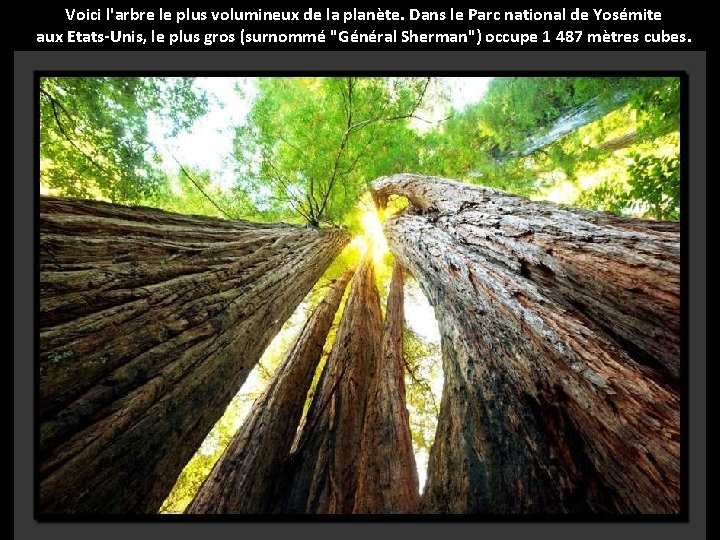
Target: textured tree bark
x: 623, y: 273
x: 387, y: 474
x: 322, y: 472
x: 149, y: 323
x: 246, y: 477
x: 560, y: 338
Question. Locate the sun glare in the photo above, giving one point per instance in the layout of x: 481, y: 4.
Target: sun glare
x: 372, y: 236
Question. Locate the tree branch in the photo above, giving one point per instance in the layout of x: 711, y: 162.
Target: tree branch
x: 311, y: 192
x: 294, y: 202
x: 54, y: 104
x: 338, y: 154
x: 200, y: 189
x: 422, y: 383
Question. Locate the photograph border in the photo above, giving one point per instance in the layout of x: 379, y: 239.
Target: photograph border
x: 681, y: 516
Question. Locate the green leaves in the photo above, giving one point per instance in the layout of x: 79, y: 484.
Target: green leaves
x: 311, y: 146
x: 624, y: 160
x: 422, y: 371
x: 652, y: 189
x: 655, y: 183
x: 94, y: 133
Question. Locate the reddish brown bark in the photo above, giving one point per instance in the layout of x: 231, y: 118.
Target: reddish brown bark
x: 149, y: 323
x: 623, y: 273
x: 387, y: 474
x: 560, y: 338
x: 323, y: 471
x: 246, y: 477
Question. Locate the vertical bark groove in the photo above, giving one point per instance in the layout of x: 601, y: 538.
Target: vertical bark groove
x: 323, y: 471
x: 388, y: 480
x: 149, y: 323
x: 245, y: 478
x: 547, y: 405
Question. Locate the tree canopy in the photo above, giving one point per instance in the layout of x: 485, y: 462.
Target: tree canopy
x: 309, y: 146
x: 626, y: 160
x: 94, y: 133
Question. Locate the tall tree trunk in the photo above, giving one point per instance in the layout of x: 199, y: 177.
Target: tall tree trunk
x: 323, y: 470
x: 388, y: 480
x: 623, y: 273
x: 246, y: 477
x: 560, y: 338
x: 149, y: 323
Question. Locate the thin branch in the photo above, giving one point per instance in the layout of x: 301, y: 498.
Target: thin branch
x: 294, y: 202
x: 294, y: 147
x: 313, y: 216
x: 60, y: 105
x: 360, y: 154
x: 200, y: 189
x: 310, y: 195
x: 406, y: 116
x: 334, y: 175
x: 423, y: 383
x: 264, y: 370
x: 421, y: 97
x: 54, y: 104
x: 338, y: 154
x: 329, y: 222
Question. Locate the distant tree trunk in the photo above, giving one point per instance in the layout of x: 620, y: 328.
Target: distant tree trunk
x: 323, y: 471
x: 571, y: 120
x: 246, y: 477
x: 388, y: 480
x: 149, y: 323
x: 560, y: 338
x: 619, y: 142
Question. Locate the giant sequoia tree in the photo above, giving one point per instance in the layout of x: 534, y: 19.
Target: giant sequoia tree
x: 149, y: 324
x: 560, y: 337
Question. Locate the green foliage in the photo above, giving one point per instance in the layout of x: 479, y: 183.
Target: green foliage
x: 655, y: 183
x: 657, y: 103
x: 194, y: 192
x: 94, y: 136
x: 483, y: 143
x: 311, y: 146
x: 652, y: 189
x: 515, y: 108
x: 422, y: 370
